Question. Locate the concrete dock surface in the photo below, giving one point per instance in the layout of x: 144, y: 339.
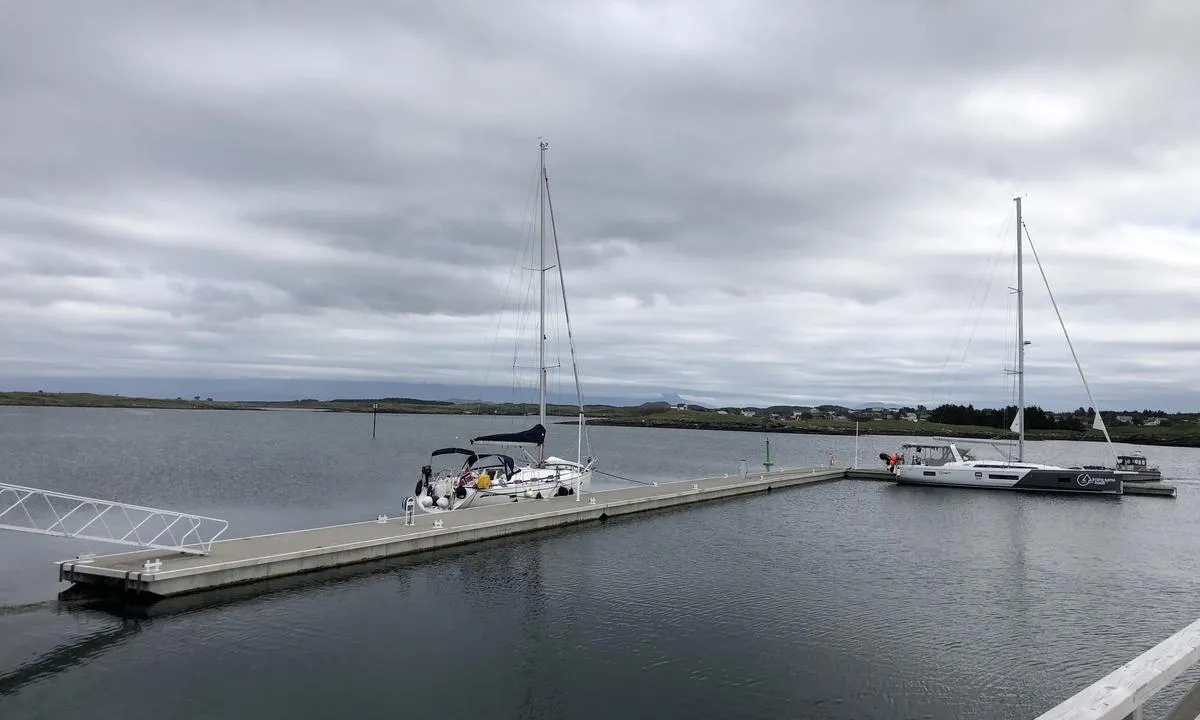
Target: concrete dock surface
x: 262, y: 557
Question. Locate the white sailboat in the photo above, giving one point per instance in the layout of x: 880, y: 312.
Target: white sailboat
x: 490, y: 478
x: 944, y: 464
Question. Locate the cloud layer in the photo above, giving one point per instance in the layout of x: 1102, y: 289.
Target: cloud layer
x: 756, y: 201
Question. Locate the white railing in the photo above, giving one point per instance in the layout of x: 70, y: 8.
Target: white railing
x: 47, y: 512
x: 1122, y: 694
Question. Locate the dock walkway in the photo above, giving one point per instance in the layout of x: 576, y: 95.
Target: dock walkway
x: 237, y: 561
x: 261, y: 557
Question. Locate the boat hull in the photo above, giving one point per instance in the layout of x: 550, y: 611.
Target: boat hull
x: 542, y: 484
x: 1040, y: 479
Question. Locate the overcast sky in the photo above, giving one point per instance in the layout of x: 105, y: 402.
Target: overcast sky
x: 757, y: 200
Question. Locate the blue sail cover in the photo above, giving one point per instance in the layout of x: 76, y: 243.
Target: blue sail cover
x: 535, y: 435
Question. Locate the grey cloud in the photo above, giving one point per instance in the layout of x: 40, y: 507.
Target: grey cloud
x: 791, y: 198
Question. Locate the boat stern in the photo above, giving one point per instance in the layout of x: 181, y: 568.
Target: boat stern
x: 1103, y: 482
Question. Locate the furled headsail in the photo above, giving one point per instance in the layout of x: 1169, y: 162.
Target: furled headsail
x: 535, y: 435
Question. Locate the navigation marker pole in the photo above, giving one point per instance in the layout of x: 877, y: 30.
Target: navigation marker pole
x: 855, y: 444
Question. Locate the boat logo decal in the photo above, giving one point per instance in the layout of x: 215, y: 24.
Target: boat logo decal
x: 1084, y: 479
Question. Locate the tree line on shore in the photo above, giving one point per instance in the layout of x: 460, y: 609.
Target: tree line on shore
x: 1036, y: 418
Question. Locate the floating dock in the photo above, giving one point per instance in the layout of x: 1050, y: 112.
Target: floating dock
x: 164, y: 573
x: 263, y: 557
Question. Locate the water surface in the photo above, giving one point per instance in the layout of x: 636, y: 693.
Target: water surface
x: 846, y: 600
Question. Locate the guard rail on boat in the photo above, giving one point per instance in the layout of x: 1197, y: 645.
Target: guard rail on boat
x: 1122, y: 694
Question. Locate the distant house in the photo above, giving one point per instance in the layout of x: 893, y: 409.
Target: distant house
x: 748, y: 413
x: 1124, y: 419
x: 910, y: 417
x: 1152, y: 422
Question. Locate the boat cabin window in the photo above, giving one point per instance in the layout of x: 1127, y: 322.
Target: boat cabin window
x: 913, y: 454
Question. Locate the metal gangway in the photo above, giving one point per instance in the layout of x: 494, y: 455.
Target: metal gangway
x: 47, y: 512
x: 1123, y: 693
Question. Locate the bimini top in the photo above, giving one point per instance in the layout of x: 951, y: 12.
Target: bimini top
x: 474, y: 458
x: 471, y: 456
x: 535, y: 435
x: 508, y: 463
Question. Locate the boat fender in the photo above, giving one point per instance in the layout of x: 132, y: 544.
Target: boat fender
x: 460, y: 492
x: 443, y: 502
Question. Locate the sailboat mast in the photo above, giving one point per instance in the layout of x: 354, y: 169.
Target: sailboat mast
x: 542, y: 272
x: 1020, y: 343
x: 567, y: 313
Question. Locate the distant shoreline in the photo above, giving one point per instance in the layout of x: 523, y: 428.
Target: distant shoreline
x: 917, y: 429
x: 656, y: 415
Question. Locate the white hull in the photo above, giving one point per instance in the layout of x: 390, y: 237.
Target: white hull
x: 557, y: 477
x: 1011, y: 476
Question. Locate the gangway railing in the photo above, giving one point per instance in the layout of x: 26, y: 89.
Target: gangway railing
x: 47, y: 512
x: 1122, y: 694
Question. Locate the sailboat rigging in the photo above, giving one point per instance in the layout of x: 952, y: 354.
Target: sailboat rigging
x: 477, y: 483
x: 942, y: 463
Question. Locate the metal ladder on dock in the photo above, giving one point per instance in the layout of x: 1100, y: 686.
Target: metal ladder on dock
x: 46, y: 512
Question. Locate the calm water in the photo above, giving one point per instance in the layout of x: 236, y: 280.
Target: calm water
x: 849, y: 600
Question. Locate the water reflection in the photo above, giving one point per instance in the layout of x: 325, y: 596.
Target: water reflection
x: 65, y: 657
x: 840, y: 601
